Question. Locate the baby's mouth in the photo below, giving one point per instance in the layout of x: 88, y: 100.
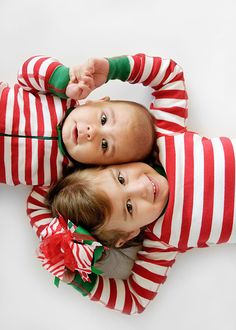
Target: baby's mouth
x: 75, y: 134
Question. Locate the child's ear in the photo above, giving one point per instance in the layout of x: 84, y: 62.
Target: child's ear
x: 103, y: 99
x: 121, y: 241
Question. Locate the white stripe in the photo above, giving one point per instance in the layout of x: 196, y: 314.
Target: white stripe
x: 219, y: 190
x: 131, y: 62
x: 34, y: 162
x: 170, y: 102
x: 43, y: 70
x: 198, y: 190
x: 176, y: 85
x: 165, y: 116
x: 179, y: 190
x: 30, y: 72
x: 147, y: 68
x: 120, y: 297
x: 176, y: 71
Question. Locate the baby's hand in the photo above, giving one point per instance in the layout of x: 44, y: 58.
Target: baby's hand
x: 85, y: 78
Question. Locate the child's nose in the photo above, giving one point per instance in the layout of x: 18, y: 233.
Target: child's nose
x: 139, y: 189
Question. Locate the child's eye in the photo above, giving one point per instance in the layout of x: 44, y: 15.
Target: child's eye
x: 121, y: 179
x: 104, y: 145
x: 129, y: 206
x: 103, y: 119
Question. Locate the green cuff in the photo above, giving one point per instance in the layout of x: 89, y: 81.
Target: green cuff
x: 84, y: 287
x: 119, y: 68
x: 59, y: 81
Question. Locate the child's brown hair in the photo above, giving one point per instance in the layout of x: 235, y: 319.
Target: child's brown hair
x: 78, y: 199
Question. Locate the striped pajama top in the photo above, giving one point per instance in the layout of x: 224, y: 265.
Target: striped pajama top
x: 201, y: 176
x: 30, y: 112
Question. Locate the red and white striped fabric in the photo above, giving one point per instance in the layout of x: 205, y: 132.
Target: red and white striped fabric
x: 29, y: 117
x: 62, y: 248
x: 201, y: 176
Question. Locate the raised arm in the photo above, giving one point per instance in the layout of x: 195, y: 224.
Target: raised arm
x: 164, y: 76
x: 128, y: 296
x: 44, y: 74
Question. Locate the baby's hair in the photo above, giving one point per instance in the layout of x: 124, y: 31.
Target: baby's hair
x: 78, y: 199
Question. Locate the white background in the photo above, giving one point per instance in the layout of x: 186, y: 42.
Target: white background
x: 200, y: 35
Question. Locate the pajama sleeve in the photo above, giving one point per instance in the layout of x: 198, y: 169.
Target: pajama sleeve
x: 130, y: 295
x: 44, y: 74
x: 166, y: 79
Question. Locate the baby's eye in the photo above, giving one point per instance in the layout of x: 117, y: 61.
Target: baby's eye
x: 104, y: 145
x: 129, y: 206
x: 121, y: 179
x: 103, y: 119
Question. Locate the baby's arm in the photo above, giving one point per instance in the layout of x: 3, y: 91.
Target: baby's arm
x: 44, y: 74
x: 164, y: 76
x: 131, y: 295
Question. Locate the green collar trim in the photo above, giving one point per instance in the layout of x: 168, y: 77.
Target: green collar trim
x: 61, y: 144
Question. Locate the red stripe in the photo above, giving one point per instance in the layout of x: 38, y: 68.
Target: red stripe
x: 228, y: 216
x: 51, y: 68
x: 163, y: 263
x: 128, y: 299
x: 171, y: 173
x: 36, y: 69
x: 3, y: 107
x: 141, y: 69
x: 25, y: 73
x: 147, y: 274
x: 97, y: 295
x: 170, y: 94
x: 188, y: 191
x: 54, y: 146
x: 168, y: 125
x: 113, y: 294
x: 142, y: 292
x: 137, y: 71
x: 208, y: 197
x: 154, y: 72
x: 15, y: 140
x: 169, y: 70
x: 178, y: 111
x: 139, y: 307
x: 28, y: 142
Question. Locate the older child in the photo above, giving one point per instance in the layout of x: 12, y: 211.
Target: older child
x: 199, y: 192
x: 40, y: 134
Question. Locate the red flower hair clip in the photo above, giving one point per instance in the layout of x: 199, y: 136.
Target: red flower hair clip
x: 67, y: 247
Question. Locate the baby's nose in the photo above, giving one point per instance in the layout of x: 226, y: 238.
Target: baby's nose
x: 91, y: 132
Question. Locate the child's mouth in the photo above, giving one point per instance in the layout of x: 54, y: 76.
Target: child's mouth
x: 155, y: 188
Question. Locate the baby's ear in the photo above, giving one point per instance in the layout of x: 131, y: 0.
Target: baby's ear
x: 103, y: 99
x: 121, y: 241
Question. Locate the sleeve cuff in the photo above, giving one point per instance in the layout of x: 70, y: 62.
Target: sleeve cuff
x: 119, y: 68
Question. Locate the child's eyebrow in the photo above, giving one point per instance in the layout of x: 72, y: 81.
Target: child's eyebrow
x: 114, y: 178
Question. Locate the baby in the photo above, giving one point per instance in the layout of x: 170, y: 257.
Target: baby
x: 42, y: 131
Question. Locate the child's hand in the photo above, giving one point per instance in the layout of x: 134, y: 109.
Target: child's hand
x: 85, y: 78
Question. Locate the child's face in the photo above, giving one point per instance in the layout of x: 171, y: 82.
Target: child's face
x: 107, y: 133
x: 138, y: 195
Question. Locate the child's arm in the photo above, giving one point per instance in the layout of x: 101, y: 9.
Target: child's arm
x: 164, y: 76
x: 44, y: 74
x: 128, y: 296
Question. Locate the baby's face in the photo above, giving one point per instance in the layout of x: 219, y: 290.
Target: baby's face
x: 137, y: 193
x: 107, y: 133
